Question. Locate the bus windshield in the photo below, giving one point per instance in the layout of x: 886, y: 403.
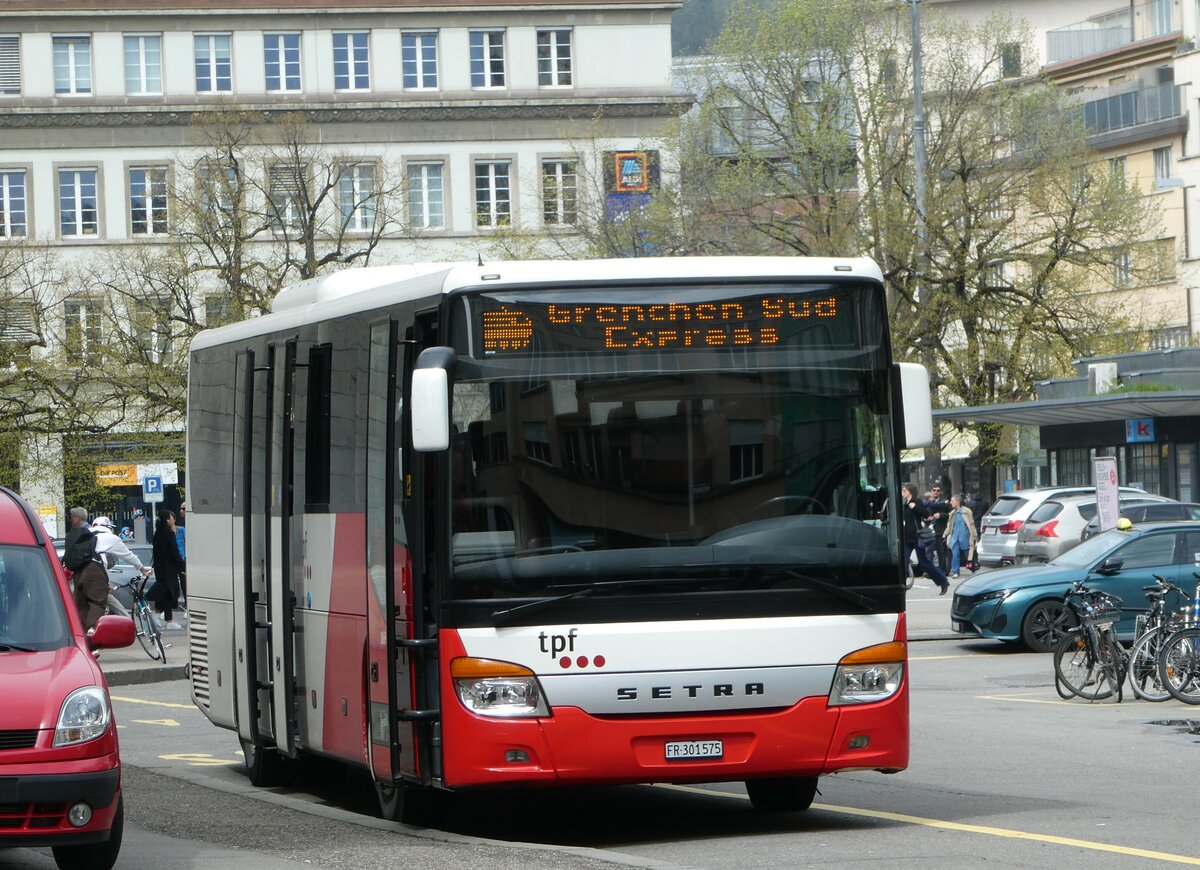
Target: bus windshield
x: 755, y: 457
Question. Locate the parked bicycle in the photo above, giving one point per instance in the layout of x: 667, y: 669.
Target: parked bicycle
x: 148, y: 632
x: 1179, y: 658
x: 1152, y: 629
x: 1089, y: 662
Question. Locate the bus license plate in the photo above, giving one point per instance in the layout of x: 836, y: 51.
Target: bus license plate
x: 687, y: 750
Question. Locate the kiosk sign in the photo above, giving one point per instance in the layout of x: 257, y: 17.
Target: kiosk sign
x: 1108, y: 494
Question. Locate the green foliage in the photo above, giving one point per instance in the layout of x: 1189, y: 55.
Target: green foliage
x: 1144, y: 387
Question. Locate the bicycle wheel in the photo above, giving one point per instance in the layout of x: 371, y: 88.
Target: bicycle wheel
x: 1079, y: 669
x: 147, y: 633
x: 1179, y: 665
x: 1143, y: 667
x: 1112, y: 659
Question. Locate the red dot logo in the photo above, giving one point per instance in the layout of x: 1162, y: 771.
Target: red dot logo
x: 582, y: 661
x: 565, y: 661
x: 598, y: 661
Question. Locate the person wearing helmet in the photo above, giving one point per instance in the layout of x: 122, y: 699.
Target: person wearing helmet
x: 109, y: 550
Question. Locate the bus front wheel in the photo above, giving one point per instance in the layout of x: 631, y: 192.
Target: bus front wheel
x: 264, y: 767
x: 790, y: 794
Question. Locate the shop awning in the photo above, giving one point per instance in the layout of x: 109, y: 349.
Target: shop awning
x: 1087, y: 409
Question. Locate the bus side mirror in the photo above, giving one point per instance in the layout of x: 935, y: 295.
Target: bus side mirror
x: 916, y: 407
x: 431, y: 400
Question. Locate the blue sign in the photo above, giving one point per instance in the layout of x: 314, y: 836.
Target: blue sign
x: 1139, y: 431
x: 152, y: 489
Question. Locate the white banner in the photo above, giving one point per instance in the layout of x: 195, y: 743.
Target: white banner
x: 1108, y: 493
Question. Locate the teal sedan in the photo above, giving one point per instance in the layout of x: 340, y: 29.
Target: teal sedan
x: 1026, y: 604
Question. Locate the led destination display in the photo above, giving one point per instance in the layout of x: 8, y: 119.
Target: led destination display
x: 758, y: 321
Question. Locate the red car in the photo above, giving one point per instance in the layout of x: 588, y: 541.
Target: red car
x: 60, y: 767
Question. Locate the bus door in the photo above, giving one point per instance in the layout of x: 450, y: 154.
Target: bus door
x: 390, y: 689
x: 250, y: 473
x: 281, y: 598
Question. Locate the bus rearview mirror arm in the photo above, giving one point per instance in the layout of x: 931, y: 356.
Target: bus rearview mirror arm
x: 431, y: 399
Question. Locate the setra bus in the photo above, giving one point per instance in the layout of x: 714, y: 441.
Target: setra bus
x: 551, y: 523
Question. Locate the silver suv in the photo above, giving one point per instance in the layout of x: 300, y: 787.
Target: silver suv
x: 998, y: 532
x: 1058, y: 524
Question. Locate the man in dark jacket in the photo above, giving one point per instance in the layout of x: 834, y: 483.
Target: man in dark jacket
x: 978, y: 507
x: 87, y: 574
x: 938, y: 508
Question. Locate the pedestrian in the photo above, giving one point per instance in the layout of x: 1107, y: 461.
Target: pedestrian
x: 168, y: 565
x: 960, y: 534
x: 915, y: 514
x: 978, y: 508
x: 939, y: 515
x: 87, y: 574
x: 181, y: 540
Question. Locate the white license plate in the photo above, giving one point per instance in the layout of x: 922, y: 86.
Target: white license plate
x: 687, y: 750
x: 990, y: 530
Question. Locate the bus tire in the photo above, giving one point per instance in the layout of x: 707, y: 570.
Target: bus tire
x: 790, y: 794
x: 264, y: 767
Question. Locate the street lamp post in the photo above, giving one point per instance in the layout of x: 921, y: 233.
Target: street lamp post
x: 918, y: 133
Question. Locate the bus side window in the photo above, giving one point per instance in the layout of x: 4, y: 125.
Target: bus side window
x: 316, y: 432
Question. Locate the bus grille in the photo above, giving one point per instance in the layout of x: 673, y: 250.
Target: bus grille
x: 18, y: 739
x: 198, y: 640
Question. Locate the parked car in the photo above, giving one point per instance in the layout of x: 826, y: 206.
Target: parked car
x: 1149, y: 513
x: 1057, y: 525
x: 998, y: 529
x: 1025, y: 603
x: 60, y: 767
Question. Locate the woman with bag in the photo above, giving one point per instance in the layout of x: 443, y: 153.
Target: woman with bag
x: 914, y: 529
x: 960, y: 534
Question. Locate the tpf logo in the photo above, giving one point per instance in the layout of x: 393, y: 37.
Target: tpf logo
x: 557, y: 645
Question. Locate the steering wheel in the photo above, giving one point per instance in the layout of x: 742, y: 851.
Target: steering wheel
x: 787, y: 505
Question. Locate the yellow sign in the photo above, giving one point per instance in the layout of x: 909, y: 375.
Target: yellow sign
x: 117, y: 475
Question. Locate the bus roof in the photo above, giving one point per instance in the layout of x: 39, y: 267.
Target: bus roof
x: 366, y: 288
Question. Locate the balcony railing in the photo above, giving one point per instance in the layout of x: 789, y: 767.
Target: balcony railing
x: 1133, y: 108
x: 1109, y: 31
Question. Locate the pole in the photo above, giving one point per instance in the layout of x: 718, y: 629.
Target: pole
x: 919, y: 159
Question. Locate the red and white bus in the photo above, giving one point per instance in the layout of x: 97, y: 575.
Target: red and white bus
x: 552, y: 523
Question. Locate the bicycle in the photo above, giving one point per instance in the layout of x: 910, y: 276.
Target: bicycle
x: 1151, y: 632
x: 148, y: 632
x: 1089, y: 661
x: 1179, y: 658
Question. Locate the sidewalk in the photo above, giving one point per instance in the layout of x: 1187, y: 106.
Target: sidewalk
x: 131, y: 666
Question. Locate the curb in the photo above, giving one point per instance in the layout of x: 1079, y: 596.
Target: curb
x: 140, y: 676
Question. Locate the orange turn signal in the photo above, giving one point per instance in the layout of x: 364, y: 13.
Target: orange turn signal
x: 466, y: 668
x: 881, y: 653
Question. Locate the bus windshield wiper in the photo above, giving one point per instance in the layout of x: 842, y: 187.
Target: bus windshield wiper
x: 853, y: 597
x: 502, y: 616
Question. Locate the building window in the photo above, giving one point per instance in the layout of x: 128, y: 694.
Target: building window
x: 281, y: 56
x: 554, y: 58
x: 426, y: 196
x: 995, y: 275
x: 78, y: 203
x: 1161, y: 260
x: 152, y: 326
x: 143, y: 64
x: 1162, y: 163
x: 537, y: 442
x: 72, y: 64
x: 746, y: 439
x: 1010, y: 60
x: 1141, y: 466
x: 1116, y: 167
x: 356, y: 197
x: 214, y: 67
x: 82, y: 332
x: 487, y: 58
x: 418, y: 58
x: 887, y: 67
x: 13, y: 220
x: 148, y: 200
x: 217, y: 311
x: 218, y: 191
x: 10, y: 66
x: 492, y: 193
x: 18, y: 330
x: 351, y: 61
x: 1122, y: 269
x: 287, y: 196
x: 558, y: 192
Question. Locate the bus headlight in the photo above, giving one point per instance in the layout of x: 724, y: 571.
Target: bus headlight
x: 868, y: 675
x: 84, y: 716
x: 501, y: 689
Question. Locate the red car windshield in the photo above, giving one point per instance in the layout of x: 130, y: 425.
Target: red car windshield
x: 32, y: 615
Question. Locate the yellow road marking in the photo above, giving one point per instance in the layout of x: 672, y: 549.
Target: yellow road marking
x: 168, y: 723
x: 199, y: 759
x: 936, y: 658
x: 153, y: 703
x: 977, y: 829
x: 1020, y: 700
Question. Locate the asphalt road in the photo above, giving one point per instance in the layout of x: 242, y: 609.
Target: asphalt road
x: 1003, y: 773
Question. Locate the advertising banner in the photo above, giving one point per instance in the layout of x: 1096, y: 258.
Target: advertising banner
x: 1108, y: 494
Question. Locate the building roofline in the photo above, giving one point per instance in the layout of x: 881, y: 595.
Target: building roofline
x: 1087, y: 409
